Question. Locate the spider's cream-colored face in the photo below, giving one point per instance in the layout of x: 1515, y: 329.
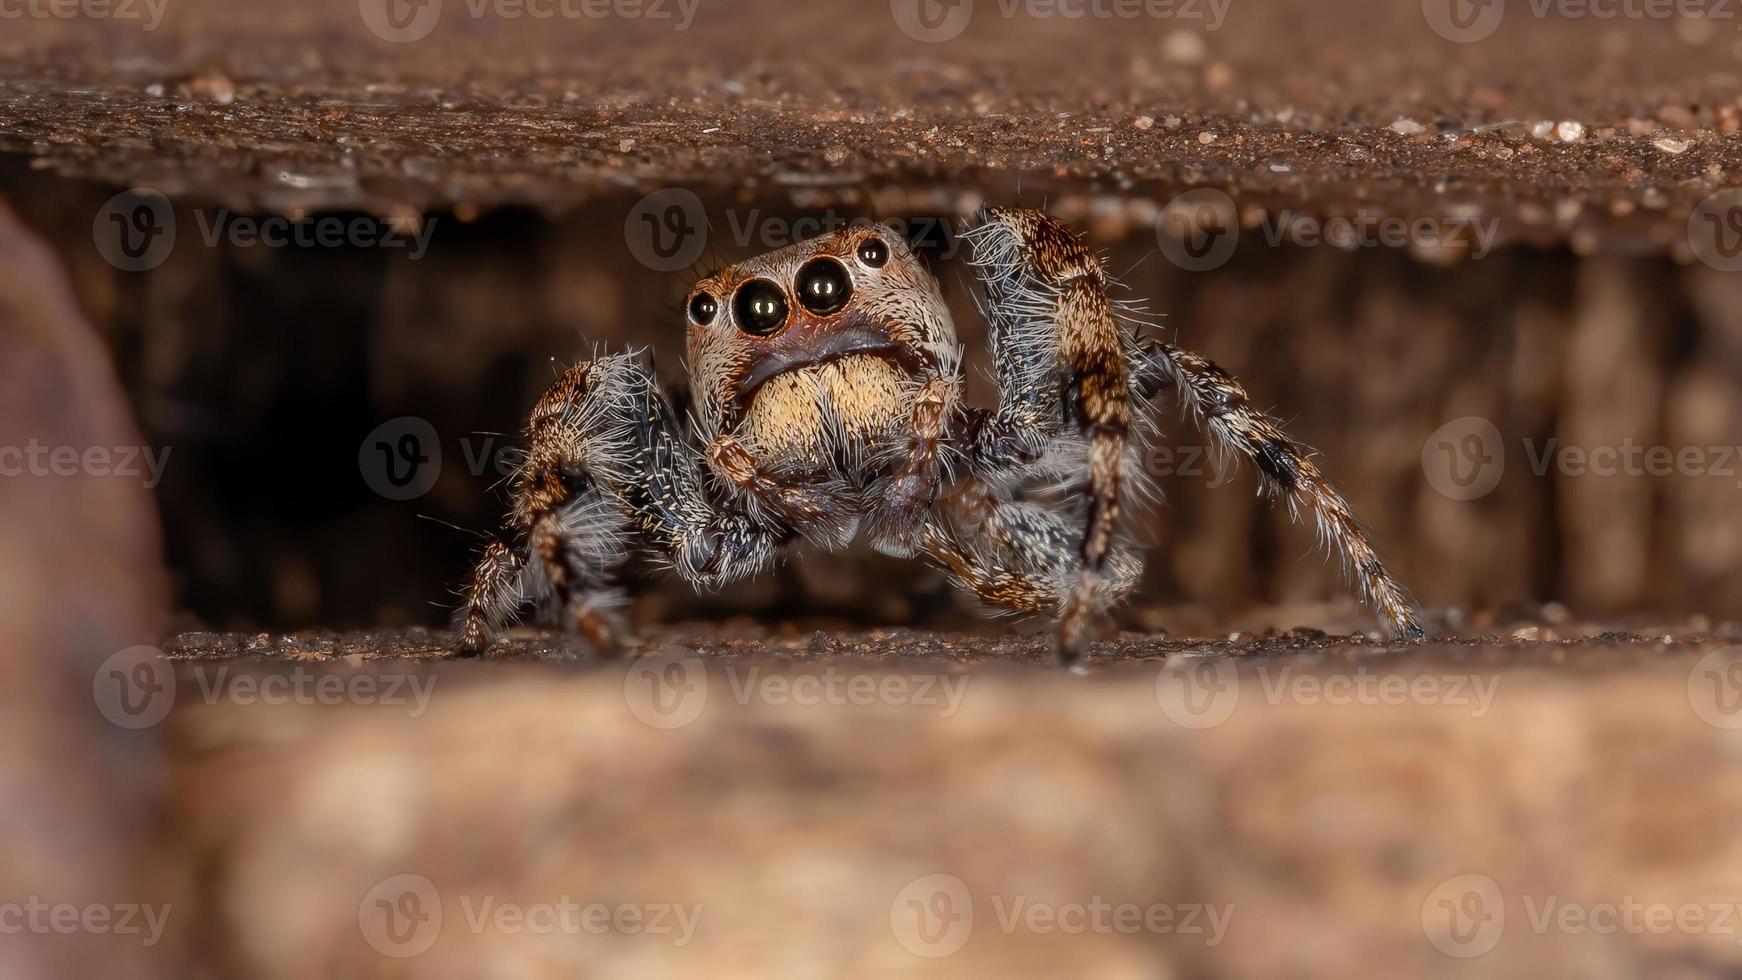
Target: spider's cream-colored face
x: 813, y: 350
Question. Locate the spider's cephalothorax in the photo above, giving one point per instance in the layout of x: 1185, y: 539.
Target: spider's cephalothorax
x: 828, y: 406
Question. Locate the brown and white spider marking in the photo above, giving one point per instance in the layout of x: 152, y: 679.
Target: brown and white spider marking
x: 828, y: 406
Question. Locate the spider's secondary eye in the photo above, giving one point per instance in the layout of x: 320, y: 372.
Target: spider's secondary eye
x: 702, y: 309
x: 873, y: 252
x: 759, y: 307
x: 823, y: 286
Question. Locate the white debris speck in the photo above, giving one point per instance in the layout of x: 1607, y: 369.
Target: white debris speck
x: 1542, y: 130
x: 1408, y: 127
x: 1280, y: 168
x: 624, y: 146
x: 1144, y: 122
x: 155, y: 90
x: 1570, y: 131
x: 1183, y: 47
x: 1670, y: 145
x: 1206, y: 138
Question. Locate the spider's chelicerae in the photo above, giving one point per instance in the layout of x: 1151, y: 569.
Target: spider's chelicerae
x: 828, y: 406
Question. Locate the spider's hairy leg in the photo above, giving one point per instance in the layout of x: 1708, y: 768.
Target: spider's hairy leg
x: 492, y: 595
x: 1060, y: 365
x: 1020, y: 556
x: 569, y: 532
x: 1219, y: 403
x: 607, y: 468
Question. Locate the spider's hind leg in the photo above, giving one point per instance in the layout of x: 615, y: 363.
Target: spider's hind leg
x: 1221, y: 407
x: 1060, y: 364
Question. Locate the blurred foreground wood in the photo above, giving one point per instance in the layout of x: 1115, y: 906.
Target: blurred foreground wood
x: 855, y: 805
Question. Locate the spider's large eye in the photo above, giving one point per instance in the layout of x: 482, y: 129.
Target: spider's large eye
x: 702, y: 309
x: 759, y: 307
x: 873, y: 252
x: 823, y: 286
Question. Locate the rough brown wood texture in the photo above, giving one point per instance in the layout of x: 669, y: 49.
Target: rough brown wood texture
x: 81, y: 579
x: 802, y: 795
x: 1333, y: 107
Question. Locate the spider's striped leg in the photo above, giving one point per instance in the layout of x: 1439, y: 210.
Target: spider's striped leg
x: 570, y: 533
x: 1060, y: 363
x: 608, y: 471
x: 1222, y: 408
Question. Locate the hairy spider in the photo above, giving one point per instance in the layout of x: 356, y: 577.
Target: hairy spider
x: 828, y: 405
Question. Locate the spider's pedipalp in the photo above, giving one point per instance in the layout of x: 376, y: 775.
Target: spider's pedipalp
x: 1219, y: 403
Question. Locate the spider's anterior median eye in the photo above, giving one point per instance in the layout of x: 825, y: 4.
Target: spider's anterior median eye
x: 873, y: 252
x: 759, y: 307
x: 823, y: 286
x: 702, y: 309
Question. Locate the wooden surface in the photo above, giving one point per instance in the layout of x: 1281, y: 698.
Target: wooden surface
x: 1327, y: 107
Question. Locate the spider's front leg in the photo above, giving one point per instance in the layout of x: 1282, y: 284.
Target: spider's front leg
x: 1059, y: 360
x: 608, y: 470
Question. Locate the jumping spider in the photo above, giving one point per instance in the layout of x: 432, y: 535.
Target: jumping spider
x: 827, y: 387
